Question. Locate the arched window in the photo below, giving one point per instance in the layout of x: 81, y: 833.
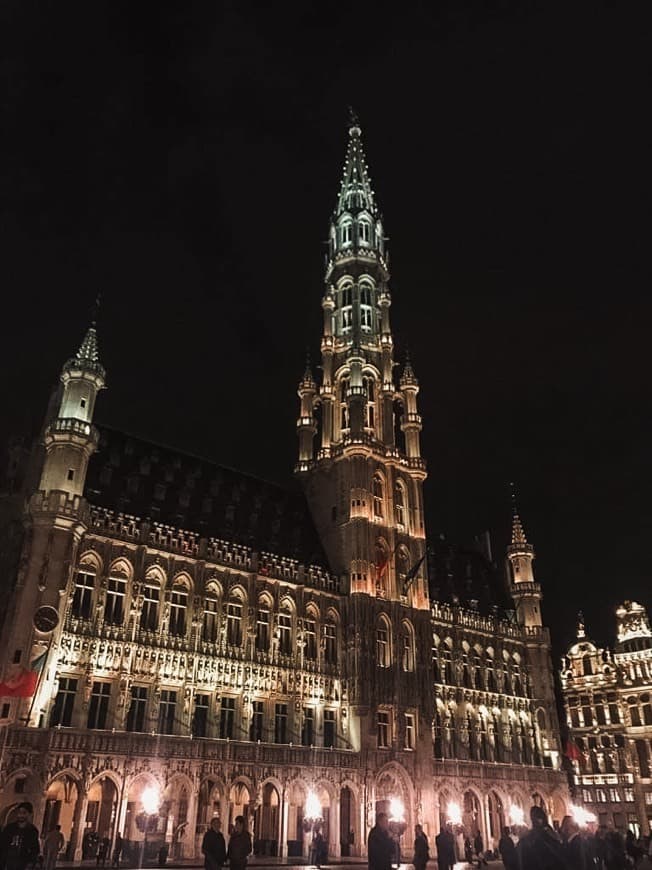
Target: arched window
x: 344, y: 406
x: 82, y: 599
x: 364, y: 231
x: 634, y: 711
x: 587, y: 665
x: 285, y: 631
x: 263, y: 624
x: 330, y: 641
x: 366, y: 308
x: 369, y: 384
x: 346, y: 232
x: 209, y: 622
x: 116, y: 592
x: 234, y: 622
x: 407, y: 647
x: 310, y: 636
x: 346, y: 308
x: 383, y: 643
x: 150, y: 612
x: 378, y: 492
x: 400, y: 505
x: 178, y: 607
x: 402, y: 569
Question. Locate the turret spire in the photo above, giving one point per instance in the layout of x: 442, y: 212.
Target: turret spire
x: 581, y: 632
x: 87, y: 356
x: 518, y: 532
x: 356, y: 193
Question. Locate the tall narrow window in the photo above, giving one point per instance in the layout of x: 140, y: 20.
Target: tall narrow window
x: 364, y: 231
x: 383, y: 730
x: 410, y: 734
x: 209, y: 625
x: 308, y: 727
x: 346, y: 233
x: 82, y: 601
x: 366, y: 309
x: 98, y: 708
x: 64, y: 702
x: 262, y: 629
x: 114, y: 610
x: 200, y: 716
x: 234, y: 623
x: 330, y: 731
x: 346, y: 309
x: 310, y: 639
x: 399, y: 505
x: 643, y: 757
x: 382, y: 645
x: 407, y: 652
x: 227, y: 718
x: 285, y: 633
x: 330, y: 645
x: 178, y: 605
x: 136, y: 714
x: 378, y: 491
x: 344, y: 406
x: 369, y: 385
x: 281, y: 723
x: 257, y: 721
x: 167, y: 711
x: 149, y: 613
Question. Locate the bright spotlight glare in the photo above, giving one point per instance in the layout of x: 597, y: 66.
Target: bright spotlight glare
x: 396, y: 810
x: 313, y: 807
x: 150, y: 800
x: 582, y: 817
x: 516, y: 815
x: 454, y: 814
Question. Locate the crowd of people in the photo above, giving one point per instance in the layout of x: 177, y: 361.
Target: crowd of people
x: 540, y: 848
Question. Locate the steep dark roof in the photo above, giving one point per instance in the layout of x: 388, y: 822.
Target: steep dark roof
x: 466, y: 576
x: 134, y: 476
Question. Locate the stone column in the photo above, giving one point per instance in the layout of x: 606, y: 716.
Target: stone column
x: 283, y: 844
x: 78, y: 819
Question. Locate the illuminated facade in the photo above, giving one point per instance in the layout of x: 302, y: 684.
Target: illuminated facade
x: 608, y: 704
x: 196, y: 649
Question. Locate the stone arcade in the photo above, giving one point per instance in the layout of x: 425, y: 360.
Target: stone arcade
x: 190, y: 638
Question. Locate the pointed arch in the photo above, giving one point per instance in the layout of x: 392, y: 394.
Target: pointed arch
x: 378, y: 494
x: 408, y: 653
x: 383, y: 641
x: 401, y: 504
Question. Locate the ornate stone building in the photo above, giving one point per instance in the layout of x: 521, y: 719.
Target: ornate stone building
x: 234, y: 646
x: 608, y: 703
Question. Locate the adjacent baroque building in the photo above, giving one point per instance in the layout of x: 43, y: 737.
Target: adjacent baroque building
x: 233, y: 646
x: 608, y: 703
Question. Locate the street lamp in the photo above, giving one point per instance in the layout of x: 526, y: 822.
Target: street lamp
x: 397, y: 824
x: 454, y: 814
x: 312, y: 819
x: 516, y: 816
x: 582, y: 817
x: 151, y: 801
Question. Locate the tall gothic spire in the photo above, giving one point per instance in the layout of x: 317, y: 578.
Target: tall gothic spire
x: 356, y: 193
x: 518, y: 532
x: 88, y: 356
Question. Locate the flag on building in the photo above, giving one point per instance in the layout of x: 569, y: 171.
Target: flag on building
x: 411, y: 575
x: 21, y: 682
x: 572, y: 751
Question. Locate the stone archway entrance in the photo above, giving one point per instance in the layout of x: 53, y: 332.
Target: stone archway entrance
x: 61, y: 808
x: 496, y: 816
x: 239, y: 800
x: 348, y: 823
x: 267, y: 822
x: 101, y: 808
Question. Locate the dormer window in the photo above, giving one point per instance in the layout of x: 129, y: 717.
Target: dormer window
x: 346, y: 233
x: 364, y: 232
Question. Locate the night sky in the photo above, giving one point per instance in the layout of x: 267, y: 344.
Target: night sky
x: 183, y: 160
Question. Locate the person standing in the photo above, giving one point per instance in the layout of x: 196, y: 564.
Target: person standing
x: 541, y: 848
x: 19, y: 846
x: 445, y: 842
x: 117, y: 850
x: 478, y: 846
x: 53, y: 843
x: 213, y: 846
x: 239, y: 845
x: 507, y: 851
x: 421, y: 851
x: 380, y: 846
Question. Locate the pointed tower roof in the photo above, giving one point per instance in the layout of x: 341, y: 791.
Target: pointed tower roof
x: 88, y: 357
x: 518, y: 532
x: 356, y: 193
x: 408, y: 377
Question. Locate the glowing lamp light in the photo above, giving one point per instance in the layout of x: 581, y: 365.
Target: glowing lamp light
x: 516, y: 815
x: 150, y: 800
x: 313, y: 807
x: 396, y: 810
x: 454, y: 814
x: 582, y: 817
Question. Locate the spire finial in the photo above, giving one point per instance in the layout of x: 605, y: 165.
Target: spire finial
x: 518, y: 533
x: 354, y: 121
x: 95, y: 310
x: 581, y: 632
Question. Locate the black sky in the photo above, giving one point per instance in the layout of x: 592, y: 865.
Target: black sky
x: 183, y: 159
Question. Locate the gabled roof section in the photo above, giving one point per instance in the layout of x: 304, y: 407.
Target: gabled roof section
x: 356, y: 193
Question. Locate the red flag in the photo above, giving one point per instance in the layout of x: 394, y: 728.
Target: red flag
x: 572, y: 751
x: 22, y: 682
